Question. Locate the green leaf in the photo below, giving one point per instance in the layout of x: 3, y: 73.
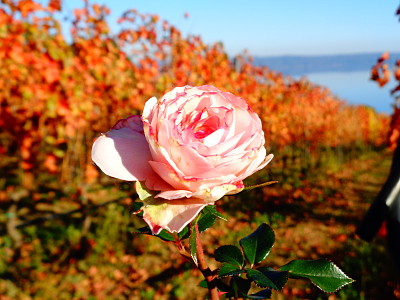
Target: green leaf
x: 213, y: 210
x: 229, y: 270
x: 184, y: 234
x: 192, y: 243
x: 203, y: 284
x: 144, y: 230
x: 230, y: 254
x: 206, y: 220
x: 164, y: 235
x: 240, y: 286
x: 260, y: 279
x: 257, y: 245
x: 279, y: 278
x: 264, y: 294
x: 323, y: 273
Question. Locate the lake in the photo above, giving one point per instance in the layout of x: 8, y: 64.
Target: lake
x: 356, y: 88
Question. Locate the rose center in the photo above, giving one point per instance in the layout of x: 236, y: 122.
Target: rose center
x: 205, y: 127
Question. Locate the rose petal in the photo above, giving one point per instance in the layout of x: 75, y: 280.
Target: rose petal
x: 134, y: 123
x: 208, y: 195
x: 200, y: 187
x: 264, y: 163
x: 203, y: 141
x: 189, y: 161
x: 257, y: 165
x: 124, y: 153
x: 214, y: 138
x: 225, y: 147
x: 174, y: 194
x: 148, y: 107
x: 168, y: 174
x: 172, y: 215
x: 218, y: 191
x: 236, y: 101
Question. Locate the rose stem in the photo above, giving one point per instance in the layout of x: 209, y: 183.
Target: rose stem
x: 204, y: 269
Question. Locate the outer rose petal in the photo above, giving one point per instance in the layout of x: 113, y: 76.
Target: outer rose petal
x: 218, y: 192
x: 174, y: 194
x: 208, y: 195
x: 148, y: 107
x: 257, y: 165
x: 209, y: 190
x: 124, y: 153
x: 172, y: 215
x: 266, y: 161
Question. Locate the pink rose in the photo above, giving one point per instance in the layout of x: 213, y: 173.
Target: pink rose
x: 193, y: 146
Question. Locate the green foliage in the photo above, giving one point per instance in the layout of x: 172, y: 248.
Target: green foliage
x: 208, y: 216
x: 202, y: 222
x: 212, y: 209
x: 265, y: 277
x: 239, y: 287
x: 206, y: 220
x: 163, y: 235
x: 184, y: 234
x: 145, y: 262
x: 277, y: 278
x: 260, y: 279
x: 264, y: 294
x: 324, y: 274
x: 229, y: 270
x: 256, y: 247
x: 192, y: 243
x: 229, y: 254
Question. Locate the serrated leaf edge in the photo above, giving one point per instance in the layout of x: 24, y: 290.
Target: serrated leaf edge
x: 272, y: 270
x: 260, y: 285
x: 236, y: 272
x: 350, y: 280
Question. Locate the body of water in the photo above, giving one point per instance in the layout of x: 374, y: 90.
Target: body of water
x: 356, y: 88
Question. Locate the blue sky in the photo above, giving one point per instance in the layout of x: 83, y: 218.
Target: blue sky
x: 266, y: 27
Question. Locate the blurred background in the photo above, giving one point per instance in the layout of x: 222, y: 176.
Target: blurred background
x: 70, y: 69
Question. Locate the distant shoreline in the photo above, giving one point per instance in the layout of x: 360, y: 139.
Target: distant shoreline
x: 296, y: 65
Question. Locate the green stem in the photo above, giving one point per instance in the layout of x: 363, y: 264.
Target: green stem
x: 248, y: 188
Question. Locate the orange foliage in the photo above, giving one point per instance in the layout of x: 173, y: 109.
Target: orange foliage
x: 380, y: 73
x: 56, y: 96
